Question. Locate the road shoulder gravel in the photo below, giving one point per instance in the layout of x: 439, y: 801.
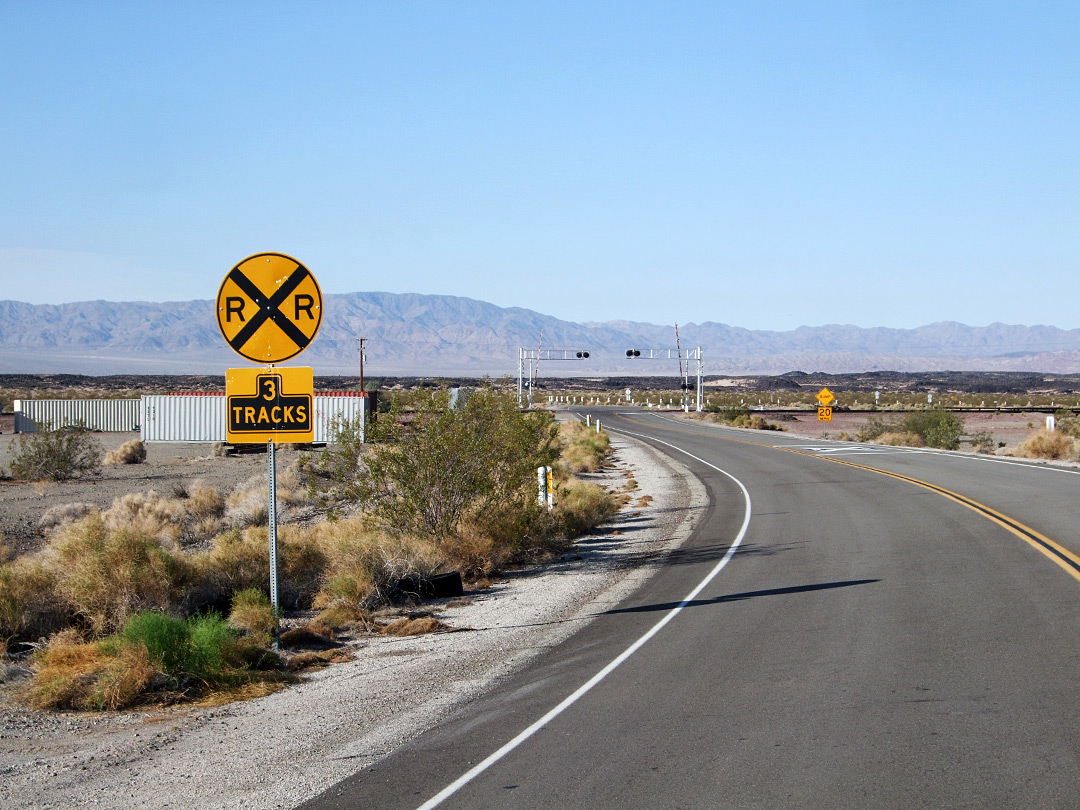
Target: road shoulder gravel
x: 280, y: 750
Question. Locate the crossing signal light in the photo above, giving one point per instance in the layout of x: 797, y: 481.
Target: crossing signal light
x: 633, y: 352
x: 583, y: 355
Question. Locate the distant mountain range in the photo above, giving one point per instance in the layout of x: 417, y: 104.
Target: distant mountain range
x: 439, y: 335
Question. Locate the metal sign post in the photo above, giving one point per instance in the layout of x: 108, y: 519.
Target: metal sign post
x: 275, y: 601
x: 269, y: 309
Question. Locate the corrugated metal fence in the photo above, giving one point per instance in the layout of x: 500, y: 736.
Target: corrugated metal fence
x: 113, y: 415
x: 201, y: 418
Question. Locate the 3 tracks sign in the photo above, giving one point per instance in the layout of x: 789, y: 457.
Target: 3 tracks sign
x: 269, y: 405
x: 269, y: 308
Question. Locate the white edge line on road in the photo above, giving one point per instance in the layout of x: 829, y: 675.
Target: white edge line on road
x: 478, y: 769
x: 929, y: 451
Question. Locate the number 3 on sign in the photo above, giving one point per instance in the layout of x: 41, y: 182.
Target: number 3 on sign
x: 271, y: 389
x: 824, y: 414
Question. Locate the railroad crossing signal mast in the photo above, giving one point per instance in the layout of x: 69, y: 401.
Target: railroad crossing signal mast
x: 529, y: 362
x: 684, y: 371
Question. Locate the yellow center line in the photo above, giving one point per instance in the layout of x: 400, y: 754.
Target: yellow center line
x: 1061, y: 556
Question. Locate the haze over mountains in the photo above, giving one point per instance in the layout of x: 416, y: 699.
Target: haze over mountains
x: 412, y: 334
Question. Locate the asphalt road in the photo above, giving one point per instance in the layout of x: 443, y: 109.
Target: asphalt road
x: 846, y: 628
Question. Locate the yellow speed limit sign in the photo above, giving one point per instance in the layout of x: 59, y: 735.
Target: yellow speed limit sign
x: 269, y: 308
x: 824, y: 414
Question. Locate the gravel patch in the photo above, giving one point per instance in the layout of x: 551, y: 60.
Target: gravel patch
x: 280, y: 750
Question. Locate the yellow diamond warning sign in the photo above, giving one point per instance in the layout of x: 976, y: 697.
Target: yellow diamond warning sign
x: 825, y: 396
x: 269, y: 405
x: 269, y: 308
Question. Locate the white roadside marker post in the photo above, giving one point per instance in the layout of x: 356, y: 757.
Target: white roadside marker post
x: 541, y: 484
x: 550, y: 490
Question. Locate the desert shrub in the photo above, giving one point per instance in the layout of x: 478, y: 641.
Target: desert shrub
x: 900, y: 439
x: 581, y: 506
x: 30, y: 607
x: 872, y: 429
x: 55, y: 455
x: 148, y: 514
x: 728, y: 413
x: 363, y: 565
x: 165, y: 638
x: 199, y: 646
x: 252, y: 613
x: 63, y: 513
x: 1068, y: 423
x: 937, y: 428
x: 333, y: 476
x: 193, y: 655
x: 247, y: 504
x: 204, y: 501
x: 110, y: 573
x: 240, y: 559
x: 72, y: 674
x: 583, y: 448
x: 425, y: 477
x: 983, y: 442
x: 130, y: 452
x: 1049, y: 445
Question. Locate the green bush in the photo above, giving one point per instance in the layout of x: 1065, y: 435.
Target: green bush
x: 200, y: 647
x: 937, y: 428
x: 426, y: 474
x: 56, y: 455
x: 166, y: 639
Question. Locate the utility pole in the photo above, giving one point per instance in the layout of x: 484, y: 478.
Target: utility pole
x: 361, y: 341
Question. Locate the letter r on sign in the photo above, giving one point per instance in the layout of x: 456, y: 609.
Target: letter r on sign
x: 303, y: 302
x: 234, y: 304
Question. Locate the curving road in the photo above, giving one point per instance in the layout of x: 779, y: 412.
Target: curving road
x: 847, y: 627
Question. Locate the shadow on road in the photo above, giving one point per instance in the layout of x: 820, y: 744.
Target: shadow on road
x: 738, y: 597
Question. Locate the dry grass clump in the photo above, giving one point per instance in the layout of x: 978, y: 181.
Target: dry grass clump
x: 899, y: 439
x: 253, y: 614
x: 72, y: 674
x: 130, y: 452
x: 583, y: 449
x: 363, y: 565
x: 581, y: 506
x: 1048, y: 445
x: 110, y: 572
x: 247, y: 504
x: 240, y: 559
x: 204, y: 501
x: 154, y: 656
x: 311, y: 659
x: 63, y: 513
x: 30, y: 607
x: 149, y: 514
x: 419, y: 626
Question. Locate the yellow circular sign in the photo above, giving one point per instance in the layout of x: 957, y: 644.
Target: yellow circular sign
x: 269, y: 308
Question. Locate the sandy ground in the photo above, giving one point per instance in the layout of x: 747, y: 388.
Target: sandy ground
x: 166, y: 466
x: 1010, y: 428
x: 277, y: 751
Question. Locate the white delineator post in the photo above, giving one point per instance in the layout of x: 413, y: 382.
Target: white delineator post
x: 541, y: 484
x: 1051, y: 424
x: 597, y: 425
x: 550, y: 490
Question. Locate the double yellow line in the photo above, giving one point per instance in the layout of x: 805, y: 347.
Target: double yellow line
x: 1061, y: 556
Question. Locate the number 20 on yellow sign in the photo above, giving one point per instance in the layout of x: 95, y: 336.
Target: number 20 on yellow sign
x: 824, y: 414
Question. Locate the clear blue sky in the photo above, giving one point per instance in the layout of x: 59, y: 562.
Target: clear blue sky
x: 766, y: 165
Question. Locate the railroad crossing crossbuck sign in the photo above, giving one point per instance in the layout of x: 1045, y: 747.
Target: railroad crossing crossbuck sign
x: 269, y: 308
